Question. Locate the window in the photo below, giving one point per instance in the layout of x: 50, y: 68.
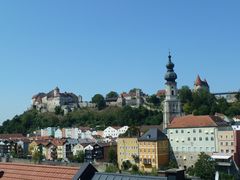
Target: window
x: 176, y: 131
x: 232, y: 151
x: 226, y: 143
x: 222, y: 151
x: 200, y: 138
x: 212, y: 139
x: 194, y: 139
x: 227, y: 151
x: 200, y: 131
x: 189, y: 139
x: 176, y: 148
x: 194, y: 131
x: 207, y: 149
x: 232, y: 143
x: 182, y: 131
x: 221, y: 143
x: 206, y: 138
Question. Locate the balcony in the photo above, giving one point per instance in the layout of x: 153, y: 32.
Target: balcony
x: 147, y: 161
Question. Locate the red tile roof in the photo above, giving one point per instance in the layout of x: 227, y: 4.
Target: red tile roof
x: 197, y: 121
x: 12, y: 136
x: 161, y: 93
x: 36, y: 172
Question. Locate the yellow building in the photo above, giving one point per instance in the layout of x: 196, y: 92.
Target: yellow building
x: 127, y: 149
x: 153, y: 150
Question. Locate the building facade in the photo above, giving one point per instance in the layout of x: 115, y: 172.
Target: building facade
x: 190, y: 135
x: 127, y: 149
x: 153, y: 150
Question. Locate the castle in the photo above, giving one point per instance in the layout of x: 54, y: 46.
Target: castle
x: 47, y: 102
x: 201, y: 84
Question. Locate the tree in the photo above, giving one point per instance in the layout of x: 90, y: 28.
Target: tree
x: 126, y: 165
x: 205, y: 167
x: 58, y: 110
x: 79, y: 157
x: 135, y: 169
x: 185, y: 94
x: 37, y: 156
x: 112, y: 94
x: 99, y: 100
x: 112, y: 154
x: 154, y: 100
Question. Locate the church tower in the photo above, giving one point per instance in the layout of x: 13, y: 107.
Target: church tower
x: 172, y: 105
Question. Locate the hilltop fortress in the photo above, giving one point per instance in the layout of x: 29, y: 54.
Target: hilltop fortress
x: 47, y: 102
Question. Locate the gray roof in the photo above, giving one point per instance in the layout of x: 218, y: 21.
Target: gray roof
x: 107, y: 176
x: 153, y: 134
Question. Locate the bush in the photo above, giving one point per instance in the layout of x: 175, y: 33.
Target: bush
x: 126, y: 165
x: 135, y: 169
x: 111, y: 169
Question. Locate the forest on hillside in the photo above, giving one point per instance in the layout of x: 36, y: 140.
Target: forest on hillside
x: 197, y: 103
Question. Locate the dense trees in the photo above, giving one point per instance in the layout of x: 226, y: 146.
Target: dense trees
x: 32, y: 120
x: 205, y: 103
x: 197, y: 103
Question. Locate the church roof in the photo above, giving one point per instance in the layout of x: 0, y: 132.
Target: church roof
x: 191, y: 121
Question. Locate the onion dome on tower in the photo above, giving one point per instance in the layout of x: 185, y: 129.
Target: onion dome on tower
x: 170, y: 76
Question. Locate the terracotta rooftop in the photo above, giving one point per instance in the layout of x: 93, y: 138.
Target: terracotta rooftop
x: 197, y: 121
x: 12, y: 136
x: 36, y: 172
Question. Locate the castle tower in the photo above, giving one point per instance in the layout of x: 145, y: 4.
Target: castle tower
x: 201, y: 85
x: 172, y: 105
x: 56, y: 92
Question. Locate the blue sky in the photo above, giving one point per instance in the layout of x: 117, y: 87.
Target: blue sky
x: 93, y: 46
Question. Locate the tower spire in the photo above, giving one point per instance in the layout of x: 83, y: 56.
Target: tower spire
x: 172, y: 105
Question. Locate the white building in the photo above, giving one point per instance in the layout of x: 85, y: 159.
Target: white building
x: 58, y: 134
x: 78, y: 148
x: 191, y: 135
x: 110, y: 132
x: 114, y: 132
x: 123, y: 130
